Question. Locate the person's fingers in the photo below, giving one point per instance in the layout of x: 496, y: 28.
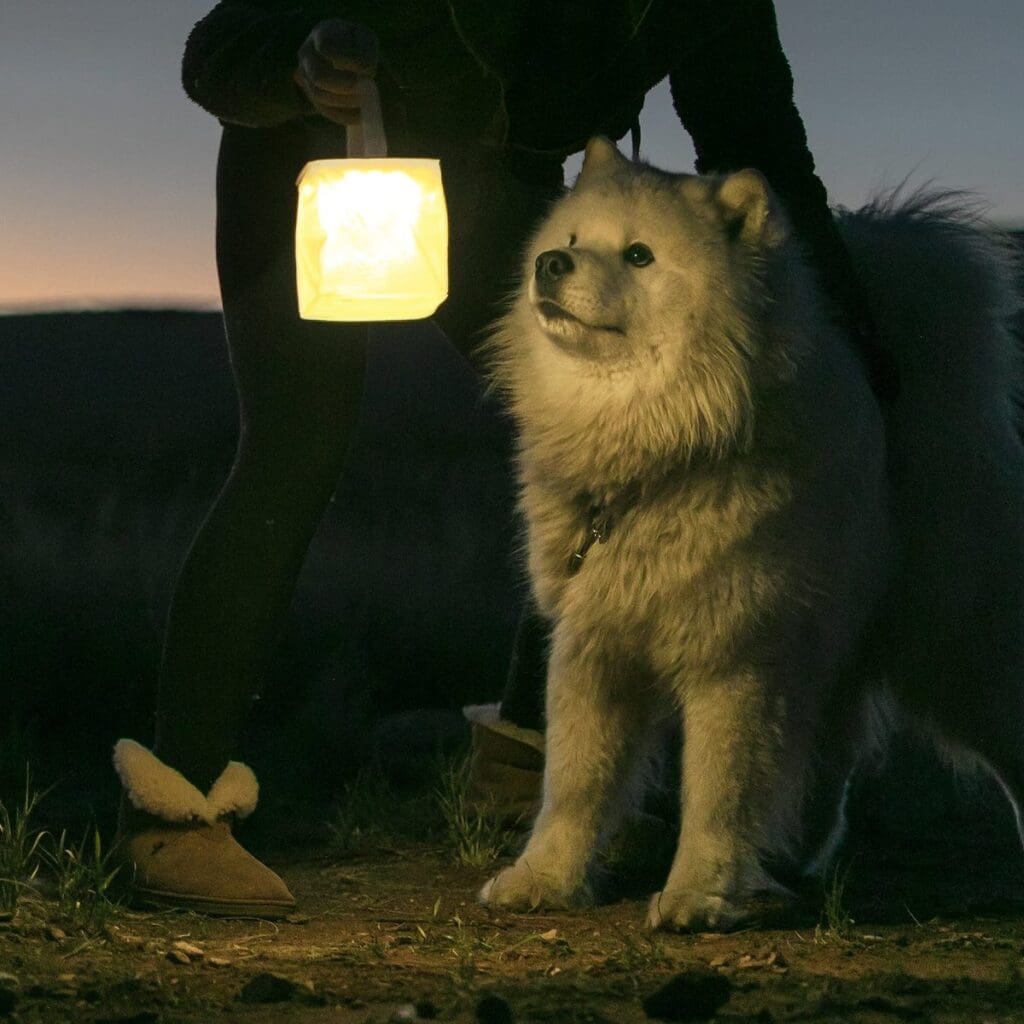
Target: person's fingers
x: 330, y: 61
x: 335, y: 92
x: 347, y: 45
x: 331, y: 80
x: 321, y: 73
x: 340, y: 106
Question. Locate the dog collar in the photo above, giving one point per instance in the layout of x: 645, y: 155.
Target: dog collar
x: 599, y: 525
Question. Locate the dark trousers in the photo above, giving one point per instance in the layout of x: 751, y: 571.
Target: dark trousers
x: 299, y: 382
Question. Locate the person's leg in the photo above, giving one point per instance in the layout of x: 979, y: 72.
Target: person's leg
x: 299, y: 385
x: 733, y: 93
x: 238, y: 579
x: 523, y: 700
x: 493, y: 205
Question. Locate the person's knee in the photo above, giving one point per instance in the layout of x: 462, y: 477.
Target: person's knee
x: 285, y: 491
x: 297, y: 443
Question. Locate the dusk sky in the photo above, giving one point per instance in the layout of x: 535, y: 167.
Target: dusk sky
x: 106, y: 168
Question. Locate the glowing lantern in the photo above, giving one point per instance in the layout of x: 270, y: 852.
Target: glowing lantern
x: 371, y: 235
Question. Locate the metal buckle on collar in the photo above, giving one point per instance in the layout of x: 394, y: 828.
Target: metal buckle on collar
x: 599, y: 525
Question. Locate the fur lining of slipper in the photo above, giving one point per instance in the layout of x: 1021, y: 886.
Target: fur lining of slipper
x: 489, y: 717
x: 160, y: 790
x: 155, y: 787
x: 235, y: 791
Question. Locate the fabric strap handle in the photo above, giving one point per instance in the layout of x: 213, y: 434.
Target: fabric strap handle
x: 366, y: 138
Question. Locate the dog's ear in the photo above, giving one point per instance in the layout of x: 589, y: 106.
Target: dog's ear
x: 600, y: 156
x: 752, y: 213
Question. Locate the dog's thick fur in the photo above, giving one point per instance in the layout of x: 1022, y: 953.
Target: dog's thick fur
x: 764, y: 574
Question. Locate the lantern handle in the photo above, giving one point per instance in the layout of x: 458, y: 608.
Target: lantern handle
x: 366, y: 137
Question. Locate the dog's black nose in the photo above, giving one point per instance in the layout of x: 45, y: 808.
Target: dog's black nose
x: 552, y: 265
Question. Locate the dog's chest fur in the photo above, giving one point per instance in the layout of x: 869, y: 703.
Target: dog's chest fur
x: 685, y: 571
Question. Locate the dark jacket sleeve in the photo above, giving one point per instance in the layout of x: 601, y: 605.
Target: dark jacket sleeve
x: 734, y: 94
x: 239, y: 59
x: 733, y: 91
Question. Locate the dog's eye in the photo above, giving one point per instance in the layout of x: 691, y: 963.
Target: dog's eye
x: 638, y: 255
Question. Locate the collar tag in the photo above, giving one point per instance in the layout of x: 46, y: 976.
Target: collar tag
x: 599, y: 525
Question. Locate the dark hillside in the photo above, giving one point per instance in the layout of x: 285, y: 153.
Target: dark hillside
x: 116, y: 429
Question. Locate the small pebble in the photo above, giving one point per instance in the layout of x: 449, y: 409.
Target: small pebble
x: 190, y: 950
x: 690, y: 996
x: 9, y: 989
x: 269, y: 988
x: 493, y: 1010
x: 176, y: 956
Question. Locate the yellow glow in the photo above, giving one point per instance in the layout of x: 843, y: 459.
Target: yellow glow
x: 371, y: 239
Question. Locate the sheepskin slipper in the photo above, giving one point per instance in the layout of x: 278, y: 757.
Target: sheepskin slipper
x: 178, y: 846
x: 506, y: 768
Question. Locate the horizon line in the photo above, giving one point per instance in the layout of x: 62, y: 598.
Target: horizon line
x: 168, y: 305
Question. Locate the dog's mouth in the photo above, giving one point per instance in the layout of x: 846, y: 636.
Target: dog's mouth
x: 554, y: 315
x: 553, y: 311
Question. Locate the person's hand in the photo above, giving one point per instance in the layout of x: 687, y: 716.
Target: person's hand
x: 335, y: 54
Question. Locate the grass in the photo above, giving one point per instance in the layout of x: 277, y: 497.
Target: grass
x: 20, y: 843
x: 463, y: 945
x: 476, y: 838
x: 365, y: 812
x: 639, y: 955
x: 836, y: 920
x: 32, y: 860
x: 371, y: 813
x: 83, y: 875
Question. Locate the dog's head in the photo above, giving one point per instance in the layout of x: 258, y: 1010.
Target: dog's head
x: 634, y: 260
x: 642, y: 310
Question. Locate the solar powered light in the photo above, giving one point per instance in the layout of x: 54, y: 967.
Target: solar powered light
x: 371, y: 234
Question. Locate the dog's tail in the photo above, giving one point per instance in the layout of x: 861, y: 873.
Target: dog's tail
x: 945, y: 289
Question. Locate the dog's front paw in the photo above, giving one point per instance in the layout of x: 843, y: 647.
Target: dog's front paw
x: 688, y: 911
x: 521, y: 888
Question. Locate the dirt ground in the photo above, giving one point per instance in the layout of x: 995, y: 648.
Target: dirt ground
x: 912, y: 931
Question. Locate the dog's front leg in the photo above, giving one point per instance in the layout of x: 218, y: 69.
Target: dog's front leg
x: 596, y: 720
x: 742, y: 770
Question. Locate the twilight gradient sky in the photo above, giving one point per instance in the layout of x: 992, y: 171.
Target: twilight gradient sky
x: 106, y: 168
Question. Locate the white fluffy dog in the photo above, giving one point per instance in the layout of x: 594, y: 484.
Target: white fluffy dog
x: 716, y: 530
